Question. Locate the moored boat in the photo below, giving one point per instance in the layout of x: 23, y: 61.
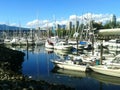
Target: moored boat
x: 75, y: 65
x: 107, y: 70
x: 62, y: 46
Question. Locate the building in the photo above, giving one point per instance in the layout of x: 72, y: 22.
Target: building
x: 77, y: 25
x: 69, y: 26
x: 113, y: 21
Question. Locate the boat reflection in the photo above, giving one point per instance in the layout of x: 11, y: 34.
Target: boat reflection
x: 49, y: 50
x: 62, y: 54
x: 99, y: 77
x: 105, y: 78
x: 69, y: 73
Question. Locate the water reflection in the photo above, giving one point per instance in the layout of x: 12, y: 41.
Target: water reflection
x: 105, y: 79
x: 93, y: 81
x: 69, y: 73
x: 99, y: 77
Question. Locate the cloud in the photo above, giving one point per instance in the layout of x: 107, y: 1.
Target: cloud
x: 82, y: 18
x: 73, y: 17
x: 90, y: 16
x: 10, y: 24
x: 62, y: 22
x: 118, y: 19
x: 45, y: 23
x: 13, y: 24
x: 33, y: 23
x: 2, y: 22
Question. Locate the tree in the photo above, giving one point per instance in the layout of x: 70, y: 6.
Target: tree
x: 97, y: 25
x: 107, y: 25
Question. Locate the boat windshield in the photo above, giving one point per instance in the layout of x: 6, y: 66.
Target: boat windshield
x: 116, y: 60
x: 117, y: 41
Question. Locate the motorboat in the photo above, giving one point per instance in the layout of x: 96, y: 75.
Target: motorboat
x: 74, y: 65
x: 107, y: 70
x: 74, y: 44
x: 62, y: 45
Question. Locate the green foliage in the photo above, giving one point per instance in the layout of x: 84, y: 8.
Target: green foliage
x: 97, y: 25
x: 107, y: 25
x: 110, y: 24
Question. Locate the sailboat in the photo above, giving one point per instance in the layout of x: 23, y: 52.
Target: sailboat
x: 51, y: 40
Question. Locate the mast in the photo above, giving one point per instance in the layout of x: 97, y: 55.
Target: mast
x: 54, y: 26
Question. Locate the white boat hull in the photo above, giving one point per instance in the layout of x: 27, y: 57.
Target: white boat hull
x: 63, y: 47
x: 103, y: 70
x: 70, y: 66
x: 47, y: 45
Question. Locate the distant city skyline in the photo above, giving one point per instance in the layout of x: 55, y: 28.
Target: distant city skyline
x: 34, y: 13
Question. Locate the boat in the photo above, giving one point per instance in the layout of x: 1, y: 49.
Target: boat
x: 87, y: 45
x: 50, y: 42
x: 39, y: 41
x: 23, y: 41
x: 113, y: 61
x: 107, y: 70
x: 30, y: 41
x: 15, y: 41
x: 7, y: 41
x: 74, y: 65
x: 113, y: 44
x: 74, y: 44
x: 62, y: 45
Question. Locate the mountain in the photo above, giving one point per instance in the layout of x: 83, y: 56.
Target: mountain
x: 7, y: 27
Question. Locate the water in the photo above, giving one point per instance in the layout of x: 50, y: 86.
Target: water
x: 38, y: 66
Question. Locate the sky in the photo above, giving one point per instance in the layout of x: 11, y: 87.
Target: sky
x: 33, y: 13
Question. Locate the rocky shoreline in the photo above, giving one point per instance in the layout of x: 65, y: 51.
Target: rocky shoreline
x: 11, y: 77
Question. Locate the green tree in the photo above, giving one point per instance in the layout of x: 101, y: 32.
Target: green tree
x: 107, y: 25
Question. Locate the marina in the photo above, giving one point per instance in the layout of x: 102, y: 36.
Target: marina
x: 45, y: 56
x: 59, y: 45
x: 38, y: 66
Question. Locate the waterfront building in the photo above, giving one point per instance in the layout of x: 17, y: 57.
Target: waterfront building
x: 77, y: 25
x: 113, y: 21
x: 69, y: 25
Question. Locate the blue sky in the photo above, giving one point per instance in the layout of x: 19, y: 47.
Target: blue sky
x: 27, y: 12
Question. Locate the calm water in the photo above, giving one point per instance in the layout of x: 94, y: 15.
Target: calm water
x: 37, y: 65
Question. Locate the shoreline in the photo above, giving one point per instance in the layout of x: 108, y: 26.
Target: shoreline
x: 11, y: 77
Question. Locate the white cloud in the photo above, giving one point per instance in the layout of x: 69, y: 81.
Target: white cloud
x: 82, y: 18
x: 10, y: 24
x: 13, y: 24
x: 73, y: 17
x: 90, y: 16
x: 45, y: 23
x: 33, y: 23
x: 118, y: 19
x: 62, y: 22
x: 2, y: 22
